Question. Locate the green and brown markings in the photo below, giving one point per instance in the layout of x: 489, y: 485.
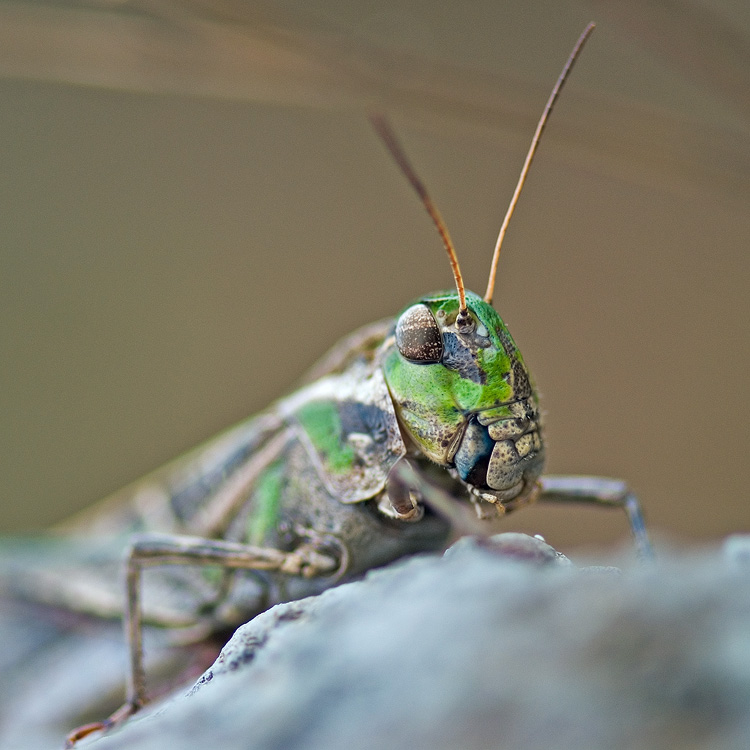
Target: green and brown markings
x: 264, y: 516
x: 473, y: 389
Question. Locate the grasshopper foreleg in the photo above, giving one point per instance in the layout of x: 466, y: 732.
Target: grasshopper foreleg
x: 150, y: 550
x: 610, y: 493
x: 407, y: 481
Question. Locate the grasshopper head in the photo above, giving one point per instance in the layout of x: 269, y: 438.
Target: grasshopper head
x: 461, y: 390
x: 464, y: 397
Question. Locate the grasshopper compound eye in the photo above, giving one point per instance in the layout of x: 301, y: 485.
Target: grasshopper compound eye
x: 418, y: 337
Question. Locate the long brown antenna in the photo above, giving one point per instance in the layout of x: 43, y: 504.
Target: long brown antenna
x: 384, y: 130
x: 532, y: 150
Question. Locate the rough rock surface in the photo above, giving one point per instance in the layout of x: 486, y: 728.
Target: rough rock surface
x: 476, y: 650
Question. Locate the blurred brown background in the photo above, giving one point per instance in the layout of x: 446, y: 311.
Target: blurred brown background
x: 194, y: 208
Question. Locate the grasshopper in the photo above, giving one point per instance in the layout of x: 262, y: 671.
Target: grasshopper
x: 357, y: 468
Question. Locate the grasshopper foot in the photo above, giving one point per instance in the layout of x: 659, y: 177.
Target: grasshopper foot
x: 125, y: 711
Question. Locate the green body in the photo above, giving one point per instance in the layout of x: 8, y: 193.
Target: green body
x: 314, y: 470
x: 317, y: 462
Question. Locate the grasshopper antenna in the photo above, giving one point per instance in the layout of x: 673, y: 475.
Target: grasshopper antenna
x: 385, y: 131
x: 532, y: 150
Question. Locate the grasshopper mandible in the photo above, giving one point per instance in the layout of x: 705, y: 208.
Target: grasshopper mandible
x: 341, y: 476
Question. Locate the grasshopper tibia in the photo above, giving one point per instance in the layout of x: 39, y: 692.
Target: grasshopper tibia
x: 610, y: 493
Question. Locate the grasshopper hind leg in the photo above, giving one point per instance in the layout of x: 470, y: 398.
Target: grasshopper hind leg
x: 312, y: 558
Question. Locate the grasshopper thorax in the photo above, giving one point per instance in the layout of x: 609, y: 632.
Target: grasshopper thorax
x: 463, y: 395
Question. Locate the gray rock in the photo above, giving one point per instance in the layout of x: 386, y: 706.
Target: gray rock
x: 480, y: 650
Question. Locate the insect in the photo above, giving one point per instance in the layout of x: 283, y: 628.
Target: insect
x: 354, y: 470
